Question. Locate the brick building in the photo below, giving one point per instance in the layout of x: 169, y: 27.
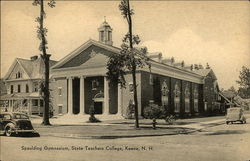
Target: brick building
x: 79, y: 81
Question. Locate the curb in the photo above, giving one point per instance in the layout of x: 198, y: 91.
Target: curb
x: 79, y: 136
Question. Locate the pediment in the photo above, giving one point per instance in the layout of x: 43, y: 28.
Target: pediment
x: 90, y: 53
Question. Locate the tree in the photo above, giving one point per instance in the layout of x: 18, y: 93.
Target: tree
x: 244, y: 82
x: 129, y: 59
x: 232, y: 89
x: 41, y: 34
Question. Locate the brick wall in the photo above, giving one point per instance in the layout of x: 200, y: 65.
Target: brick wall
x: 59, y: 100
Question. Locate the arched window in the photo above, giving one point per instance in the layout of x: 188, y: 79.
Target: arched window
x: 187, y: 98
x: 164, y: 93
x: 177, y: 97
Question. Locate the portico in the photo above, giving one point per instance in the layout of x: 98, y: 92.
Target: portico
x: 80, y: 98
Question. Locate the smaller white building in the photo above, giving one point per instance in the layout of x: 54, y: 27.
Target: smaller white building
x: 23, y: 86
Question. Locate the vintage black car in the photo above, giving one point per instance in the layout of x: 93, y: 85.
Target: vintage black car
x: 15, y: 123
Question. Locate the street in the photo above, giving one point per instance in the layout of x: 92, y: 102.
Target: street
x: 217, y: 143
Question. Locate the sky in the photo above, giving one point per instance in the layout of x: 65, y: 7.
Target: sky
x: 198, y: 32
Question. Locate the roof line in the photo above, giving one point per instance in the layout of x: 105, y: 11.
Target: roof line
x: 12, y: 68
x: 25, y: 70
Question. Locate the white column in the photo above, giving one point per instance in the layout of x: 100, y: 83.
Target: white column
x: 119, y: 111
x: 70, y: 107
x: 39, y: 108
x: 106, y: 96
x: 82, y: 78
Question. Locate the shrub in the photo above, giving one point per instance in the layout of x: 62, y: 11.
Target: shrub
x: 130, y: 110
x: 92, y: 117
x: 154, y: 111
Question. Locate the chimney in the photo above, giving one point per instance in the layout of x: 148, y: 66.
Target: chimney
x: 172, y: 60
x: 192, y: 67
x: 196, y: 66
x: 200, y: 66
x: 34, y: 57
x: 182, y: 64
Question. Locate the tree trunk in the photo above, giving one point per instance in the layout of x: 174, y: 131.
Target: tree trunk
x: 45, y: 58
x: 135, y: 97
x: 133, y: 67
x: 46, y: 91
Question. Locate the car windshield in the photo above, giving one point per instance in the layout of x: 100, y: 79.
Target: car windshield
x: 20, y: 116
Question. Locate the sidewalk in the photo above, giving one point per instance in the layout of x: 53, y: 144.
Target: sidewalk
x: 124, y: 128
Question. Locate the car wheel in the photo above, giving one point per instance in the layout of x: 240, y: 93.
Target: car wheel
x: 8, y: 131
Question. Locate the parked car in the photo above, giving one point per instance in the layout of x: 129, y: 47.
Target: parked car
x: 235, y: 114
x: 15, y: 123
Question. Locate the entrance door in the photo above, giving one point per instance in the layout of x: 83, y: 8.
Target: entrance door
x: 98, y: 107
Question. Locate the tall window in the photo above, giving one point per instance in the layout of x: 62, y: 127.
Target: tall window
x: 109, y: 36
x: 11, y: 89
x: 164, y: 93
x: 102, y: 35
x: 187, y: 98
x: 59, y: 109
x: 177, y: 97
x: 27, y: 88
x: 196, y: 95
x: 18, y: 88
x: 35, y: 87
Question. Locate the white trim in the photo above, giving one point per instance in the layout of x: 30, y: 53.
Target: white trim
x: 78, y: 72
x: 174, y: 73
x: 70, y: 107
x: 82, y: 100
x: 106, y: 96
